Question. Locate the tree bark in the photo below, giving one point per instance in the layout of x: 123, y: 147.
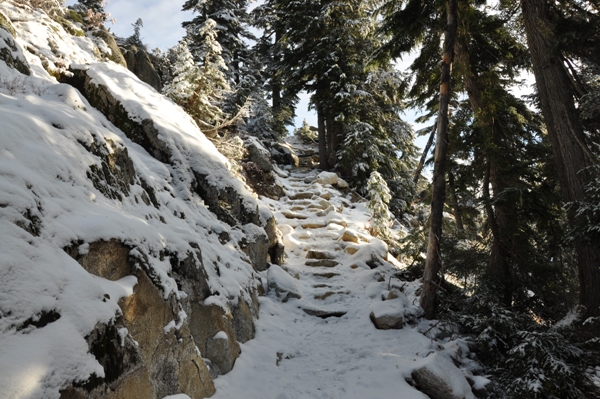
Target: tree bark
x: 433, y: 263
x: 332, y: 138
x: 572, y: 156
x: 324, y: 164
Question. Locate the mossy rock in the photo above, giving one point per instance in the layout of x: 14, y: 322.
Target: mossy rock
x: 115, y: 55
x: 70, y: 25
x: 7, y: 25
x: 10, y: 53
x: 74, y: 16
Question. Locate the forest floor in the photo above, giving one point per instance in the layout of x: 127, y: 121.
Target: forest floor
x: 314, y: 337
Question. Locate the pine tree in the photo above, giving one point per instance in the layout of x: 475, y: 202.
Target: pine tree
x: 569, y: 142
x: 199, y: 90
x: 229, y: 31
x: 379, y: 197
x: 136, y: 39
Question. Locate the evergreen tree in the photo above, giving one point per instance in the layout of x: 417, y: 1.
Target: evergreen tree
x: 135, y: 39
x: 199, y: 90
x: 379, y: 197
x: 569, y: 142
x: 230, y: 29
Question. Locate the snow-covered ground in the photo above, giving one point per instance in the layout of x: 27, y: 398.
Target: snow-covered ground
x: 298, y: 355
x: 315, y: 337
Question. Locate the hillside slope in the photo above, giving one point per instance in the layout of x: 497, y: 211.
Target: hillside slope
x: 129, y: 251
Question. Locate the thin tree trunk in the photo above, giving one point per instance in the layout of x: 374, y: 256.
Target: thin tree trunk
x: 454, y: 203
x: 566, y: 134
x: 433, y: 263
x: 424, y: 156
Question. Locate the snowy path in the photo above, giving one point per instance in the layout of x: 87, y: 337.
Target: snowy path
x: 341, y: 354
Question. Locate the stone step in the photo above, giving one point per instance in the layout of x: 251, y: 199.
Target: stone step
x: 314, y: 224
x: 316, y: 254
x: 324, y: 314
x: 293, y: 215
x: 301, y: 195
x: 322, y: 297
x: 322, y: 262
x: 322, y: 286
x: 326, y: 274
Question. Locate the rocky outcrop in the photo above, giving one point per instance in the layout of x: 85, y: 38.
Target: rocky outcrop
x: 284, y: 154
x: 10, y: 53
x: 114, y: 53
x: 149, y: 350
x: 138, y: 61
x: 224, y: 201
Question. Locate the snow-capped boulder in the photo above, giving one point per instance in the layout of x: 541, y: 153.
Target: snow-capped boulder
x: 439, y: 378
x: 10, y: 53
x: 170, y: 135
x: 327, y: 178
x: 282, y: 283
x: 284, y: 154
x: 388, y: 315
x: 111, y: 49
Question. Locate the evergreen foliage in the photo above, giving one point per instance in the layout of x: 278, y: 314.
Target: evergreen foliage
x: 305, y: 133
x: 379, y: 198
x: 199, y: 90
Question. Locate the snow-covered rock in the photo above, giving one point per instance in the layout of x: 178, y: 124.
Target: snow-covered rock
x: 325, y: 178
x: 388, y: 315
x: 439, y: 378
x: 282, y: 283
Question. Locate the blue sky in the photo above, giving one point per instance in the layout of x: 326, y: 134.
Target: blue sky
x: 162, y: 20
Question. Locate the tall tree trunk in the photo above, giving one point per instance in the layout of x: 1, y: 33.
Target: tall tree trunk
x: 324, y: 164
x: 566, y: 134
x: 331, y: 138
x: 499, y: 216
x: 275, y: 83
x: 431, y: 278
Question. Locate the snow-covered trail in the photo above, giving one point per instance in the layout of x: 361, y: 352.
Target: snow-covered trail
x: 335, y: 351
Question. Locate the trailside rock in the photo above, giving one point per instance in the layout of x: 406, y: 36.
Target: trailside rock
x: 282, y: 153
x: 327, y: 178
x: 157, y: 355
x: 341, y: 183
x: 282, y: 283
x: 114, y: 53
x: 255, y: 244
x: 10, y: 53
x: 439, y: 378
x: 258, y: 154
x: 388, y: 315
